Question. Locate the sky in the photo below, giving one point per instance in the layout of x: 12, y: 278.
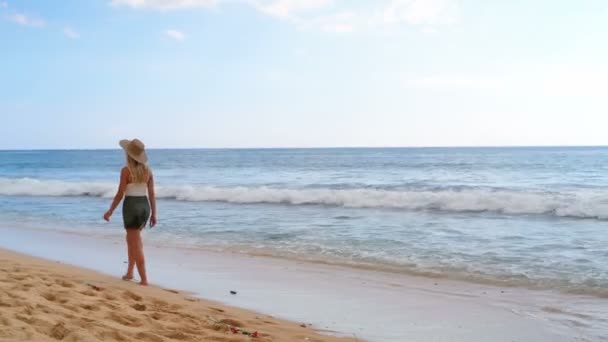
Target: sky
x: 303, y: 73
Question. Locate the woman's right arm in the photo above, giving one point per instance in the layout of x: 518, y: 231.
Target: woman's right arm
x: 119, y: 194
x: 152, y: 195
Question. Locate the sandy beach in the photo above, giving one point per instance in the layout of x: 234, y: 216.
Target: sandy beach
x: 366, y: 305
x: 48, y: 301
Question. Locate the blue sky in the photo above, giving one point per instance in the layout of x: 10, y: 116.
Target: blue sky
x: 284, y: 73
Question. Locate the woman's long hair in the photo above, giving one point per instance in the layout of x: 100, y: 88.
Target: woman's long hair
x: 140, y: 173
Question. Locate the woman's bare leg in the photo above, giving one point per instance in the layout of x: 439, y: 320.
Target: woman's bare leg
x: 138, y: 255
x: 131, y: 265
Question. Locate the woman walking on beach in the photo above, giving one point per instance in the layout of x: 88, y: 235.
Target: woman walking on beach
x: 137, y: 188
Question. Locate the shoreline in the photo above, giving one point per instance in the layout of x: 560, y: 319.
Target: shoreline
x: 473, y: 279
x: 374, y: 306
x: 44, y: 300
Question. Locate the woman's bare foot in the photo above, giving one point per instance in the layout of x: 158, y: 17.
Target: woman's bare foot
x: 143, y: 283
x: 127, y: 277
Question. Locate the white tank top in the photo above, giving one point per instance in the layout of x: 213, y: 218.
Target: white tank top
x: 136, y: 189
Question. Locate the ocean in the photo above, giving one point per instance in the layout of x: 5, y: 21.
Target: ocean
x: 531, y: 217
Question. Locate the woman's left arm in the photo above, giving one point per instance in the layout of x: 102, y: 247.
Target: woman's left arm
x: 152, y: 196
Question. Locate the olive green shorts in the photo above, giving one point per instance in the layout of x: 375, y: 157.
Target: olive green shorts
x: 135, y: 212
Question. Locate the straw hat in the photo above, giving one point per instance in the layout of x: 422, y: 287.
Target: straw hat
x: 135, y: 149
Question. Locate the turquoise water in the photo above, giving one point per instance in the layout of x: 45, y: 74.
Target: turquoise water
x: 534, y: 217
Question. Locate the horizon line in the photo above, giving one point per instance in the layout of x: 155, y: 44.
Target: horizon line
x: 309, y: 148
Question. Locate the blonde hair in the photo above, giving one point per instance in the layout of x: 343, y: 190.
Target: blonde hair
x: 140, y: 173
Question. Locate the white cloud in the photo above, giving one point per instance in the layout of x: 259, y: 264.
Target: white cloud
x: 24, y: 20
x: 421, y: 12
x: 337, y: 27
x: 70, y: 33
x: 339, y: 16
x: 175, y: 34
x: 285, y: 9
x: 344, y: 22
x: 164, y: 4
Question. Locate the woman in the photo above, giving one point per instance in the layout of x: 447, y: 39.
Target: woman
x: 135, y: 181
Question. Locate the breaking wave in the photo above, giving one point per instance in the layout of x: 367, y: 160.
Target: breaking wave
x: 583, y: 204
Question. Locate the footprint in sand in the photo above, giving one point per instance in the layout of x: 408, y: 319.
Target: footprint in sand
x: 59, y: 331
x: 146, y: 336
x: 5, y: 321
x: 49, y: 296
x: 157, y: 316
x: 89, y: 293
x: 43, y: 308
x: 132, y: 296
x: 109, y: 305
x: 139, y: 307
x: 175, y: 307
x: 25, y: 319
x: 90, y: 307
x: 125, y: 320
x: 231, y: 322
x: 29, y: 310
x: 160, y: 303
x: 64, y: 283
x: 109, y: 296
x: 58, y: 297
x: 72, y: 308
x: 4, y: 302
x: 176, y: 335
x: 113, y: 335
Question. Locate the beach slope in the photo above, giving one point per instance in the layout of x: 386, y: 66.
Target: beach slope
x: 42, y: 300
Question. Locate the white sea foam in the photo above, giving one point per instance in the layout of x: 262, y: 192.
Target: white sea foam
x: 35, y: 187
x: 573, y: 204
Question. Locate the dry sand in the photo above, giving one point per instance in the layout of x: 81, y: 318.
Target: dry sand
x: 42, y: 300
